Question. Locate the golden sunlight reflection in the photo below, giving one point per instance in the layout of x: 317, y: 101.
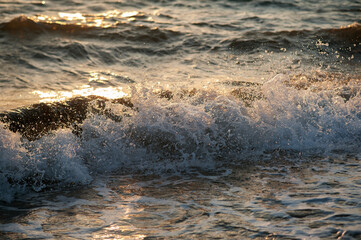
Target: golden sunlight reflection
x: 119, y: 232
x: 129, y: 14
x: 97, y: 77
x: 72, y: 16
x: 102, y: 20
x: 85, y: 90
x: 119, y: 219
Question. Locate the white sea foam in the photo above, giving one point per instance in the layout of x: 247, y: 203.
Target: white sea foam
x: 306, y: 119
x: 174, y: 135
x: 12, y: 154
x: 50, y: 159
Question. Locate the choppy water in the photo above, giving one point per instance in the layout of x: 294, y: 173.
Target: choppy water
x: 222, y: 119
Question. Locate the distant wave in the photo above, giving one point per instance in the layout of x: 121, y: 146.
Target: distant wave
x: 248, y: 42
x: 163, y: 42
x: 25, y: 27
x: 23, y: 24
x: 349, y: 36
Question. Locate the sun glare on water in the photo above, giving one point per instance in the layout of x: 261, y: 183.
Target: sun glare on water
x: 102, y: 77
x: 85, y: 90
x: 72, y: 16
x: 101, y: 20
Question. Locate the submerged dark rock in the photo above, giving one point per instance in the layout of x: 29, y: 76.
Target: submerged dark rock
x: 36, y: 120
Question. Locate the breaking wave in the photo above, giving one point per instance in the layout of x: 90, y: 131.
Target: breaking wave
x: 165, y: 132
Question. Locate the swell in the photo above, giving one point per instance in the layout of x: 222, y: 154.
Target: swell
x: 25, y: 27
x: 343, y: 37
x: 333, y: 41
x: 252, y: 41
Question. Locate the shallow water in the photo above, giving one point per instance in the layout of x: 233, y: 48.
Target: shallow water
x: 308, y: 199
x: 222, y: 119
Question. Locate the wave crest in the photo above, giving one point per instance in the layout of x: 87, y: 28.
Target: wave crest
x: 163, y: 132
x: 25, y: 27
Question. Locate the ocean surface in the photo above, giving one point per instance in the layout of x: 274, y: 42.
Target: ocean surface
x: 234, y: 119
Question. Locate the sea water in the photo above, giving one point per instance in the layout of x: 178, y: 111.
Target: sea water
x: 245, y: 120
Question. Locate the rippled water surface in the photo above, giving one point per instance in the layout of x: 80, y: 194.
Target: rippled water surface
x: 65, y: 45
x: 282, y: 201
x: 180, y: 119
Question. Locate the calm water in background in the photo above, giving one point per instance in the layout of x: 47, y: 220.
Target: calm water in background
x: 285, y: 166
